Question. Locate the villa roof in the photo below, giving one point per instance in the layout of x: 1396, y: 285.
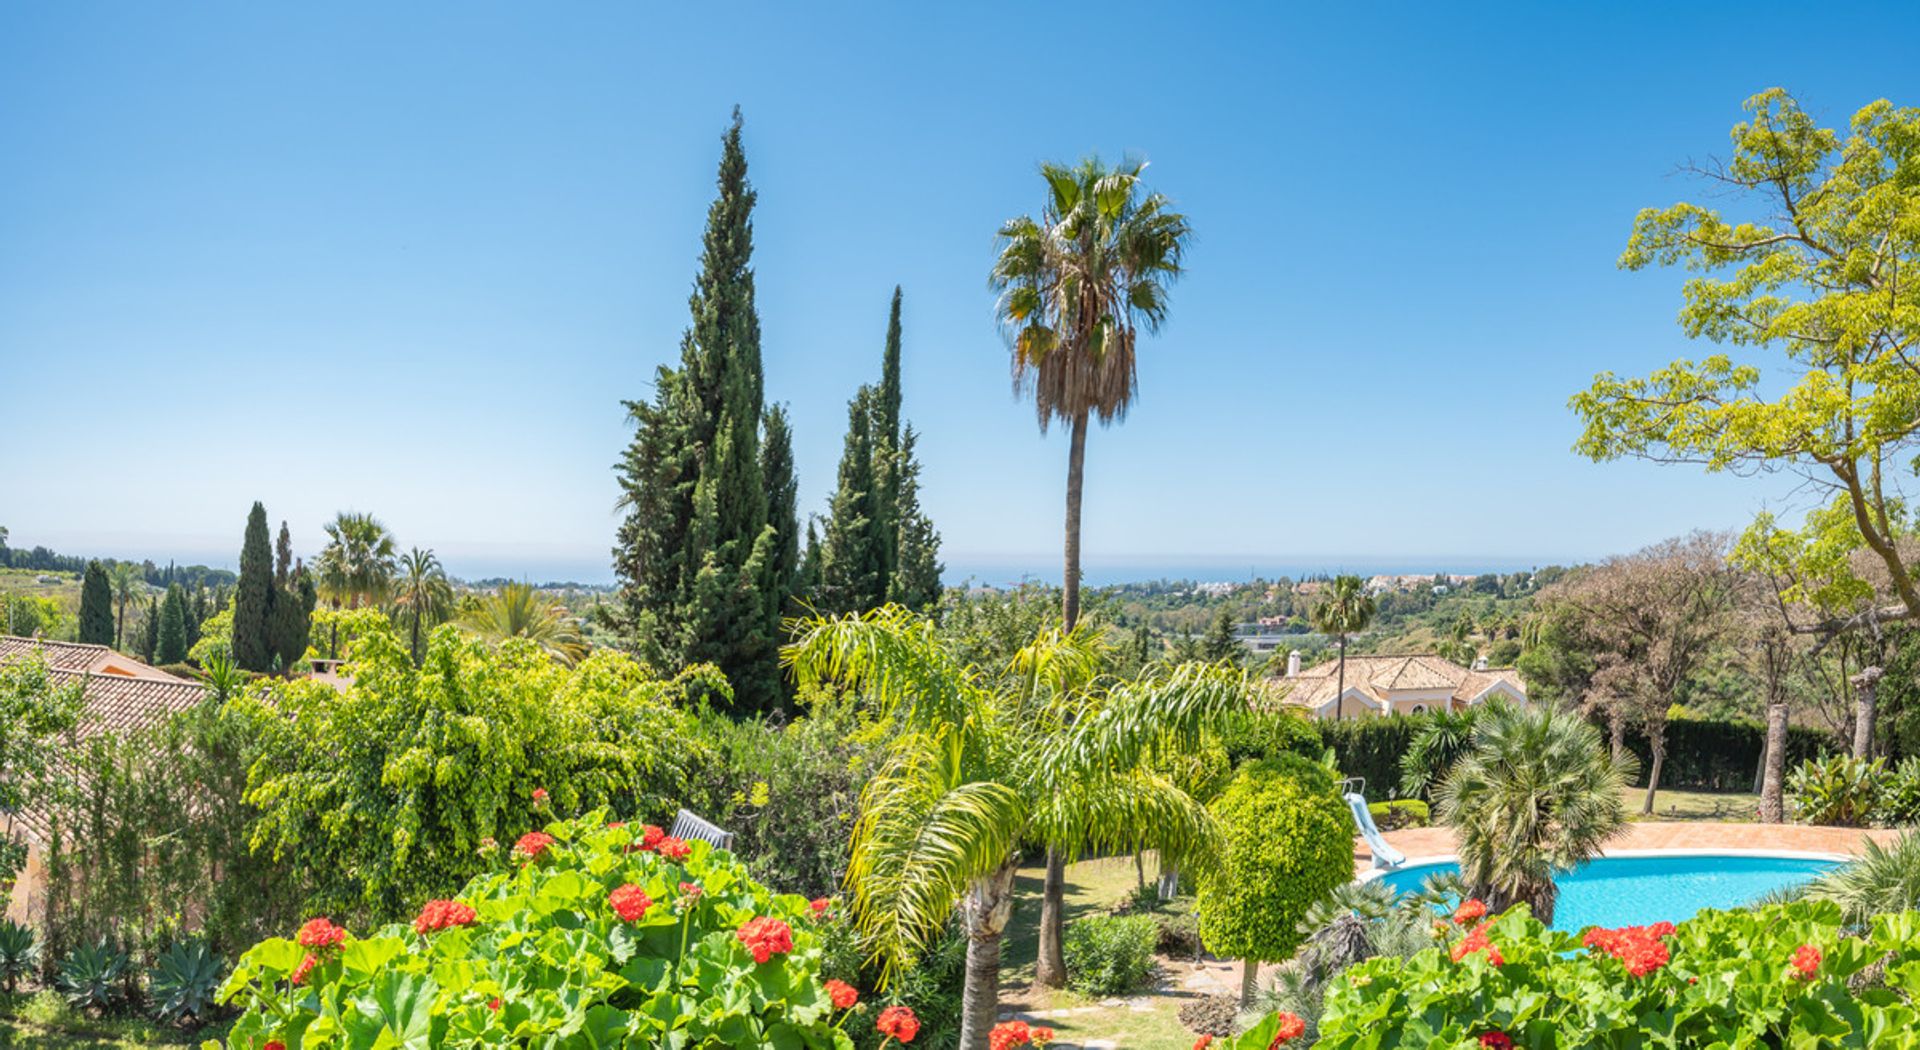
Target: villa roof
x: 1381, y: 678
x: 81, y: 657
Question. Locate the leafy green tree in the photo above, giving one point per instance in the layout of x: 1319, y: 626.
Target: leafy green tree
x: 423, y: 596
x: 96, y: 606
x: 1286, y: 842
x: 1346, y: 611
x: 1075, y: 284
x: 357, y: 565
x: 35, y: 712
x: 253, y: 597
x: 127, y: 585
x: 1537, y: 794
x: 171, y: 642
x: 1821, y: 320
x: 853, y: 572
x: 386, y: 792
x: 971, y: 773
x: 516, y: 610
x: 697, y: 551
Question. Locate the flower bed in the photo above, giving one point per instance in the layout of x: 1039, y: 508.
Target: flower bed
x: 1783, y: 975
x: 587, y: 934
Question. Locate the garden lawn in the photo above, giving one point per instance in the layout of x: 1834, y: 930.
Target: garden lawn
x: 42, y: 1021
x: 1729, y: 806
x: 1145, y: 1019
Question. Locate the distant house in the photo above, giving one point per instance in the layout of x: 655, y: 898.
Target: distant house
x: 119, y: 694
x: 1400, y: 685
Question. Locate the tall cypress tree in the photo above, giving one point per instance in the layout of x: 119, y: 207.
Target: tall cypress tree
x: 853, y: 575
x: 886, y: 445
x: 96, y: 606
x: 292, y: 623
x: 783, y: 509
x: 150, y: 631
x: 253, y: 597
x: 698, y: 551
x: 171, y: 646
x: 916, y: 575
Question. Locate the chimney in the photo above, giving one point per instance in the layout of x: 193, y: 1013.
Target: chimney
x: 1480, y: 662
x: 1293, y: 663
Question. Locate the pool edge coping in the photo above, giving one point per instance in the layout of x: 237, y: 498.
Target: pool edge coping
x: 1377, y: 872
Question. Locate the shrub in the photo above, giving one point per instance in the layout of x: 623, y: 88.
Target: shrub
x: 19, y: 953
x: 1838, y: 789
x: 1178, y: 933
x: 1371, y: 748
x: 1258, y: 734
x: 1705, y: 754
x: 1401, y: 813
x: 1109, y: 954
x: 1287, y: 842
x: 184, y: 981
x: 1900, y: 795
x: 93, y: 977
x: 557, y: 950
x: 1786, y: 975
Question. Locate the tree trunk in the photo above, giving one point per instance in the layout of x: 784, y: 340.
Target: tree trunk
x: 1340, y: 687
x: 1864, y: 685
x: 1774, y: 775
x: 1169, y: 884
x: 1659, y: 742
x: 1616, y: 733
x: 1076, y: 476
x: 1249, y: 981
x: 985, y: 909
x: 1050, y: 967
x: 1139, y: 870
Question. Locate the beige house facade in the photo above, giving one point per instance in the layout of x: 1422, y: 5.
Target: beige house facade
x: 1394, y: 685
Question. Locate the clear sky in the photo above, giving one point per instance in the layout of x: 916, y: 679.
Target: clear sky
x: 409, y: 258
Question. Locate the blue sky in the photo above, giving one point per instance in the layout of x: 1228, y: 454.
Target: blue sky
x: 408, y: 259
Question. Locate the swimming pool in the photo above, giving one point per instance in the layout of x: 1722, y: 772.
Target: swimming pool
x: 1636, y: 888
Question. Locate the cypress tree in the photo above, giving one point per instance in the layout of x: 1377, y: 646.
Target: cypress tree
x: 96, y: 606
x: 916, y: 576
x: 253, y: 597
x: 150, y: 631
x: 171, y: 646
x: 292, y: 624
x: 852, y: 574
x: 697, y: 553
x: 783, y: 511
x: 886, y: 446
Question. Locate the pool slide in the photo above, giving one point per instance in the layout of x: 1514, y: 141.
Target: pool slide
x: 1384, y: 856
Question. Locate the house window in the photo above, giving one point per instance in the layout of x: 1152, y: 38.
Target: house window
x: 1419, y: 709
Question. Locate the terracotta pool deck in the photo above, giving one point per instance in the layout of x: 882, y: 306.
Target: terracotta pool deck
x: 1660, y: 835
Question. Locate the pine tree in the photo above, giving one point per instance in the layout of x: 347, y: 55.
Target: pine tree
x: 253, y: 597
x: 96, y: 606
x: 171, y: 646
x: 852, y: 573
x: 150, y: 631
x: 1220, y: 643
x: 916, y: 576
x: 698, y: 552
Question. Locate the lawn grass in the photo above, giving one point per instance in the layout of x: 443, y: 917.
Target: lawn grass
x: 42, y: 1020
x: 1725, y: 806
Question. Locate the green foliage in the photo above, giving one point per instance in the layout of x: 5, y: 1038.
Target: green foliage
x: 1371, y: 748
x: 1400, y: 813
x: 564, y: 968
x: 917, y: 568
x: 1706, y: 754
x: 253, y: 596
x: 184, y: 980
x: 854, y: 552
x: 1435, y: 748
x: 389, y: 787
x: 36, y: 710
x: 216, y: 639
x: 1287, y: 840
x: 1265, y: 732
x: 1219, y: 644
x: 1881, y: 880
x: 1730, y: 981
x: 96, y: 606
x: 1900, y: 795
x: 19, y: 953
x: 93, y: 977
x: 1838, y: 789
x: 1110, y: 954
x: 336, y: 633
x: 171, y: 647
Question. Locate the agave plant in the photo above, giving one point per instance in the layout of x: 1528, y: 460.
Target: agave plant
x: 184, y: 980
x: 92, y: 977
x: 19, y: 953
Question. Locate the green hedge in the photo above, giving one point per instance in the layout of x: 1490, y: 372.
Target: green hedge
x: 1370, y: 746
x: 1401, y: 813
x: 1110, y: 954
x: 1710, y: 755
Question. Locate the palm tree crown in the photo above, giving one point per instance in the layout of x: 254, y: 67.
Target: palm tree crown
x: 356, y: 567
x: 424, y: 594
x: 1346, y: 611
x: 516, y: 610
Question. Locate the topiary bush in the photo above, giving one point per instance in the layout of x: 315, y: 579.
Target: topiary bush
x: 586, y: 934
x: 1287, y: 842
x: 1401, y: 813
x: 1110, y: 954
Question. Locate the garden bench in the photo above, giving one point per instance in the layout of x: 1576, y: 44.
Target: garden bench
x: 690, y: 825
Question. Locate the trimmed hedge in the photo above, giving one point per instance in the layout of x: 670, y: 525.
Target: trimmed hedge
x: 1287, y: 841
x: 1401, y: 813
x: 1370, y: 747
x: 1710, y: 755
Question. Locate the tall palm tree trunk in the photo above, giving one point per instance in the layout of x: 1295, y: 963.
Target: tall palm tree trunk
x: 1076, y: 476
x: 988, y: 905
x: 1774, y: 775
x: 1050, y: 968
x: 1340, y: 687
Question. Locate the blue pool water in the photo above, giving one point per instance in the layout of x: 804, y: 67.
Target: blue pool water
x: 1622, y: 891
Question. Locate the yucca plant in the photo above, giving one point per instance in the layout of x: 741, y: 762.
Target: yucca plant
x: 184, y: 980
x: 19, y: 953
x: 92, y: 977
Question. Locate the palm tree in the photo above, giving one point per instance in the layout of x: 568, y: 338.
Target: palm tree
x: 128, y: 583
x: 516, y: 610
x: 424, y: 594
x: 1347, y: 610
x: 1074, y: 286
x: 1882, y: 880
x: 1535, y: 795
x: 356, y: 567
x: 971, y: 773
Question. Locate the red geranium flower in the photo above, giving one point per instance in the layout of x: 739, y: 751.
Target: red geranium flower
x: 274, y: 1044
x: 1042, y: 1035
x: 765, y: 938
x: 439, y: 915
x: 820, y: 906
x: 1477, y: 941
x: 1469, y: 912
x: 1806, y: 959
x: 673, y: 849
x: 898, y: 1022
x: 532, y: 845
x: 494, y: 1004
x: 320, y: 933
x: 691, y: 889
x: 629, y: 902
x: 843, y: 994
x: 1291, y: 1028
x: 1496, y: 1040
x: 301, y: 971
x: 616, y: 824
x: 539, y: 796
x: 1641, y: 949
x: 1008, y: 1034
x: 1203, y: 1042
